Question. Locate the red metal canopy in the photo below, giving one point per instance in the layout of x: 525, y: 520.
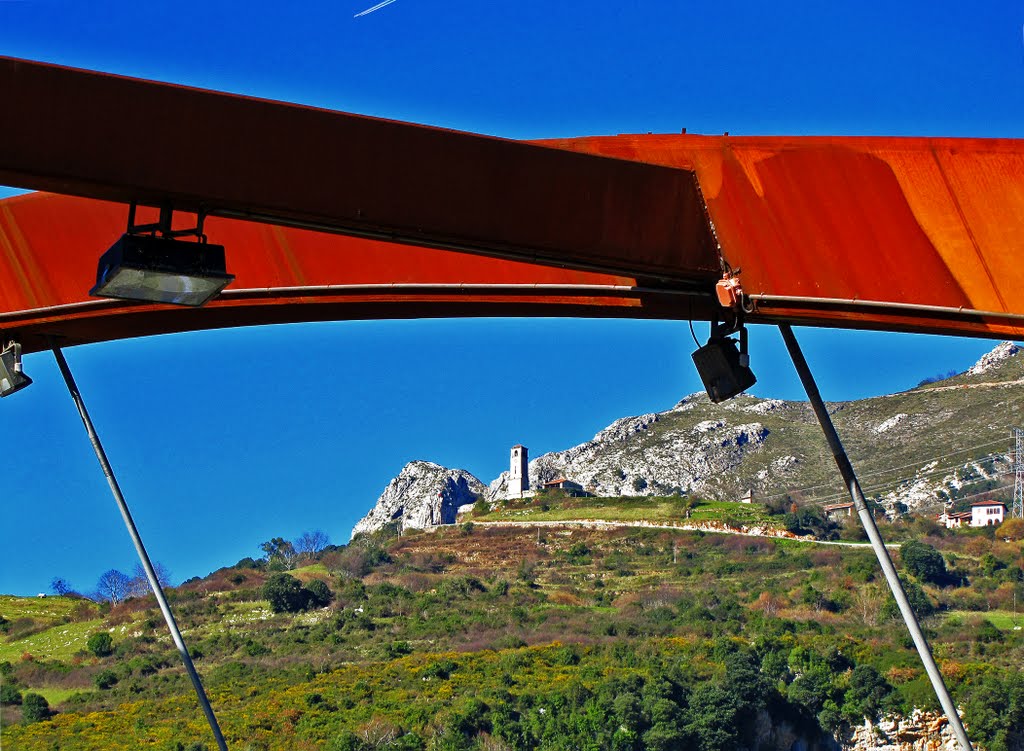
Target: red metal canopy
x: 901, y: 234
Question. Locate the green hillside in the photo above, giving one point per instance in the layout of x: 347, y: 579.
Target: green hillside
x: 552, y: 637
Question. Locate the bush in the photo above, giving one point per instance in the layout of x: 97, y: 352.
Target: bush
x: 1011, y: 529
x: 105, y: 679
x: 100, y: 644
x: 9, y: 694
x: 320, y: 594
x: 285, y: 593
x: 923, y: 561
x: 866, y: 694
x: 917, y: 598
x: 34, y: 708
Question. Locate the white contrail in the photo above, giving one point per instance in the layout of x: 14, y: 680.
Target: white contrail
x: 378, y: 6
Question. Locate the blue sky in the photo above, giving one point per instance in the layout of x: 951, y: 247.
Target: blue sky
x: 224, y: 439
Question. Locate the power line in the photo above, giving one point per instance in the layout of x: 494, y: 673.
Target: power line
x: 883, y: 485
x: 893, y: 483
x: 903, y: 466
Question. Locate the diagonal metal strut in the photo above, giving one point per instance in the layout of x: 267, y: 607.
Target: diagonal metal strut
x: 154, y: 583
x: 853, y: 486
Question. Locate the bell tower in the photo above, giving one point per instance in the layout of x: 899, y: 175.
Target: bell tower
x: 518, y: 472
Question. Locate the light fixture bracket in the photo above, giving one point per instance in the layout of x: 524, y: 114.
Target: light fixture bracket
x: 12, y: 377
x: 149, y: 263
x: 723, y: 363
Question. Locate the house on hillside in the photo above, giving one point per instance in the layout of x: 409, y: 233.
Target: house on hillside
x: 987, y: 513
x: 570, y: 487
x: 838, y: 511
x: 954, y: 520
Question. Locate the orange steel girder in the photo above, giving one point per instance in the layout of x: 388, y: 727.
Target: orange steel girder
x: 887, y: 233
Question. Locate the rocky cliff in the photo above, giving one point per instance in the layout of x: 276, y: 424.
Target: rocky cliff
x: 422, y: 495
x: 945, y: 440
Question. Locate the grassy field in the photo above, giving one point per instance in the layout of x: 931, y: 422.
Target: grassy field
x: 1004, y: 620
x: 59, y: 642
x: 56, y: 696
x: 656, y: 510
x: 40, y: 608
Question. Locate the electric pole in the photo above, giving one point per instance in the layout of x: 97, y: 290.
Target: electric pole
x: 1018, y: 474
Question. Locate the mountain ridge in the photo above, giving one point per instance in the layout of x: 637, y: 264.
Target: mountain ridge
x: 914, y: 450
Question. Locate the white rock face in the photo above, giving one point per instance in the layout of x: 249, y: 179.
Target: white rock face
x: 424, y: 494
x: 625, y: 459
x: 921, y: 731
x: 1002, y: 352
x: 891, y: 423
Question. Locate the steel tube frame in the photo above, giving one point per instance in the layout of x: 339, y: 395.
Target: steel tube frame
x: 853, y: 486
x: 154, y: 583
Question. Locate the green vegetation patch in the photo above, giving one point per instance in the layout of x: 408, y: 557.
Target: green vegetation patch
x: 653, y: 509
x: 41, y: 608
x: 59, y: 642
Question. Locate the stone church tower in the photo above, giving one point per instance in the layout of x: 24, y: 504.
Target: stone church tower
x: 518, y: 472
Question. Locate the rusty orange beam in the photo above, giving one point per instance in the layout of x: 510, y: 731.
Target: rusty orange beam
x: 901, y: 234
x: 49, y: 246
x: 910, y: 234
x: 114, y: 138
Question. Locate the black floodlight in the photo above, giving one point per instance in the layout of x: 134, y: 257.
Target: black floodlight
x: 161, y: 269
x: 724, y: 368
x: 11, y: 376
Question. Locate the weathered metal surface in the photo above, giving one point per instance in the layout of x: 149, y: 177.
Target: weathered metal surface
x: 912, y: 221
x: 904, y: 234
x: 49, y: 246
x: 108, y: 137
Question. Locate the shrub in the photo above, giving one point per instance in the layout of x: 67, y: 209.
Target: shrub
x: 100, y: 644
x: 105, y: 679
x: 917, y: 598
x: 9, y: 694
x: 34, y: 708
x: 866, y: 694
x: 285, y: 593
x: 923, y: 561
x: 320, y: 594
x: 1011, y: 529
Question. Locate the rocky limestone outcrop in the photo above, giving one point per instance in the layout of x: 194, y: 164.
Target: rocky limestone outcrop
x: 993, y: 359
x: 652, y: 455
x: 920, y: 731
x: 422, y: 495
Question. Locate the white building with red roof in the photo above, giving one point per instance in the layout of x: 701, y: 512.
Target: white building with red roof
x: 987, y: 513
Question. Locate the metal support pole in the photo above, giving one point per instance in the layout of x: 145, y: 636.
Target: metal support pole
x: 853, y: 486
x: 139, y: 547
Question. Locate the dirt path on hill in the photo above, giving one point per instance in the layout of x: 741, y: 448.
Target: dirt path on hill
x: 753, y: 532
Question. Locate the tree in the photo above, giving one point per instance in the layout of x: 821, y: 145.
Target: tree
x: 279, y: 553
x: 100, y: 644
x: 1011, y: 529
x: 59, y: 586
x: 923, y: 561
x: 866, y: 694
x: 308, y: 544
x: 34, y: 708
x: 138, y: 586
x: 113, y: 585
x: 285, y: 593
